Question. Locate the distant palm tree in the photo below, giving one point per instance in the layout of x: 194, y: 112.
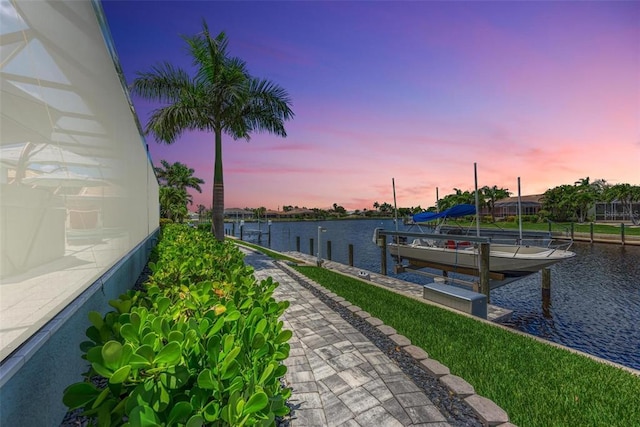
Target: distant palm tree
x: 178, y: 175
x: 222, y: 97
x: 173, y: 203
x: 492, y: 194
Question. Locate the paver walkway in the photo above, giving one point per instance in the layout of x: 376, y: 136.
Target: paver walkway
x: 338, y: 377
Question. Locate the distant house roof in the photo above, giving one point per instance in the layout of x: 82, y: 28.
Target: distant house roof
x: 534, y: 199
x: 237, y: 211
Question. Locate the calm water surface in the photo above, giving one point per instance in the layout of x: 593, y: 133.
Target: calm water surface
x: 595, y: 296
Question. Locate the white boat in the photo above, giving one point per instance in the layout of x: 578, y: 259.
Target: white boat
x: 504, y: 259
x: 450, y: 253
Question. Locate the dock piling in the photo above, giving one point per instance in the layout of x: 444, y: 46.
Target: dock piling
x: 484, y: 252
x: 350, y: 255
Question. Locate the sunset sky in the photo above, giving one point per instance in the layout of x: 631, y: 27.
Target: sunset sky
x: 416, y: 91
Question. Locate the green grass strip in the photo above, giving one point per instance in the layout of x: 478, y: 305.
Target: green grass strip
x: 272, y: 254
x: 537, y: 384
x: 598, y: 229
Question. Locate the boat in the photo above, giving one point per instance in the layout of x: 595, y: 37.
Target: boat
x: 507, y: 261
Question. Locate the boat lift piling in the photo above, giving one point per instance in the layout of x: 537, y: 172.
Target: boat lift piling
x: 483, y: 272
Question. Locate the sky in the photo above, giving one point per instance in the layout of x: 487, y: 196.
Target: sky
x: 414, y: 92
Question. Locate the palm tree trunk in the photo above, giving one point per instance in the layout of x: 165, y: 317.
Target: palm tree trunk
x: 217, y: 223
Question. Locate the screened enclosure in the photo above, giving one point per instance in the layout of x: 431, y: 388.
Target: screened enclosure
x: 77, y: 189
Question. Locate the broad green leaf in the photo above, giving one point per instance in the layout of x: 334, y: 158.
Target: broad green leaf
x: 258, y: 341
x: 212, y: 411
x: 195, y: 421
x: 283, y: 336
x: 143, y: 416
x: 120, y: 375
x: 175, y: 377
x: 162, y: 304
x: 85, y: 346
x: 112, y: 354
x: 232, y: 316
x: 162, y: 399
x: 266, y: 373
x: 102, y: 370
x: 217, y: 326
x: 94, y: 355
x: 129, y: 333
x: 146, y: 351
x: 256, y: 403
x: 170, y: 354
x: 138, y: 361
x: 150, y: 339
x: 205, y: 380
x: 230, y: 357
x: 101, y: 397
x: 227, y: 343
x: 280, y: 371
x: 79, y: 394
x: 176, y: 336
x: 179, y: 413
x: 261, y: 326
x: 96, y: 319
x: 230, y: 370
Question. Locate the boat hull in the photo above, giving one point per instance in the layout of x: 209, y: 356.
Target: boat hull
x: 508, y: 260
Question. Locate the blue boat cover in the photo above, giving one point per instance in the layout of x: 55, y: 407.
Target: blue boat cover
x: 454, y: 212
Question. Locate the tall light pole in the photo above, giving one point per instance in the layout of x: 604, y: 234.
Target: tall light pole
x: 320, y: 231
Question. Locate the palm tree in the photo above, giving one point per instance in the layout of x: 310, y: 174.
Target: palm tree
x: 173, y: 203
x: 490, y: 195
x: 222, y: 97
x: 178, y: 175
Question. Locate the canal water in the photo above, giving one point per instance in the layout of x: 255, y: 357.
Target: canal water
x: 595, y: 296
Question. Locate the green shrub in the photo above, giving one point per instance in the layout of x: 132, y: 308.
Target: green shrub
x: 165, y: 221
x: 204, y: 226
x: 203, y: 344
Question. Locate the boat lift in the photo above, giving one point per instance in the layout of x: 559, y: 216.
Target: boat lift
x: 487, y: 279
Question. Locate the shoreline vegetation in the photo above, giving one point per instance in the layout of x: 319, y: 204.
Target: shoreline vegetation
x: 600, y: 229
x: 538, y: 384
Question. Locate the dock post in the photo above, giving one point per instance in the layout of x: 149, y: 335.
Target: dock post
x: 546, y: 292
x: 297, y: 243
x: 241, y: 229
x: 622, y: 232
x: 591, y: 233
x: 382, y: 242
x: 350, y: 255
x: 311, y: 246
x: 233, y: 228
x: 329, y: 250
x: 269, y: 231
x: 484, y: 270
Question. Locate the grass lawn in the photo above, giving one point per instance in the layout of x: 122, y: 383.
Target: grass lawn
x: 537, y: 384
x: 558, y: 226
x: 272, y: 254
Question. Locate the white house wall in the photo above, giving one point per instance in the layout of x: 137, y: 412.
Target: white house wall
x: 78, y: 195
